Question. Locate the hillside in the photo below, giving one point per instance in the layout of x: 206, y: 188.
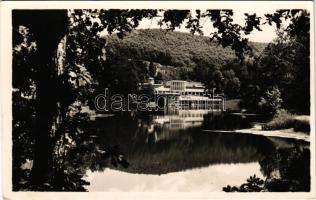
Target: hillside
x: 176, y: 49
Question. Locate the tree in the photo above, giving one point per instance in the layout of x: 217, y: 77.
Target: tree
x: 152, y: 69
x: 272, y: 101
x: 231, y: 84
x: 47, y: 27
x: 286, y: 63
x: 159, y: 77
x: 60, y: 84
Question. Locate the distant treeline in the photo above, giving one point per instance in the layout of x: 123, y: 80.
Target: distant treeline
x: 167, y: 55
x: 172, y: 48
x: 278, y: 67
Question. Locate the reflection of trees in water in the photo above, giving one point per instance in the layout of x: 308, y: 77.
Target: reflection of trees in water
x: 73, y: 155
x: 285, y: 169
x: 177, y: 150
x: 61, y: 167
x: 228, y: 121
x: 87, y: 148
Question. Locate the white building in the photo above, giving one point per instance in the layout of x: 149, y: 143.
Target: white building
x: 187, y: 95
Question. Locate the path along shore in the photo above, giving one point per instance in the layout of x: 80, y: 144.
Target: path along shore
x: 284, y: 133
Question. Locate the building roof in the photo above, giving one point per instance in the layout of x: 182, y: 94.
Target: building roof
x: 192, y: 97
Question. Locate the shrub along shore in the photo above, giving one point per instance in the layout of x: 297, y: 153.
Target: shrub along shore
x: 285, y: 120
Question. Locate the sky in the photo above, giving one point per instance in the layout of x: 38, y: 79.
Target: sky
x: 267, y: 34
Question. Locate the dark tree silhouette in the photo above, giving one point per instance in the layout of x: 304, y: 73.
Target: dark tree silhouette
x: 47, y: 27
x: 57, y: 82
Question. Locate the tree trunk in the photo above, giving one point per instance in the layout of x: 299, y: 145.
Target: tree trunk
x: 48, y: 27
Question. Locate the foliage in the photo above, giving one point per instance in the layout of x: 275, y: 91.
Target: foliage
x: 282, y: 63
x: 271, y: 102
x: 23, y: 107
x: 171, y: 48
x: 285, y: 63
x: 228, y: 33
x: 282, y: 120
x: 254, y: 184
x: 50, y: 91
x: 181, y: 56
x: 231, y: 84
x: 152, y: 70
x: 285, y: 120
x: 302, y: 125
x: 285, y: 169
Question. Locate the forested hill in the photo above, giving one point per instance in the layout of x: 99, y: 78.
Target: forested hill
x: 172, y: 48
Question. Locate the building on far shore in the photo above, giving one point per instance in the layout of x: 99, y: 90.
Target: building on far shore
x: 186, y: 95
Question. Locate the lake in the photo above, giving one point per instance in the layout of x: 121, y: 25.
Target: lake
x: 171, y: 152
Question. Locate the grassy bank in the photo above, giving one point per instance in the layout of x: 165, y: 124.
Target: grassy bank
x: 286, y: 120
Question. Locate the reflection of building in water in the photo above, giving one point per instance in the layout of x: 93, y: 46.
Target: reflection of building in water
x: 184, y: 95
x: 167, y: 126
x: 182, y: 119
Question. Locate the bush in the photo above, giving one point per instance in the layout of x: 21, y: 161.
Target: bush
x: 285, y: 120
x: 271, y: 102
x: 282, y: 120
x: 302, y: 125
x: 253, y: 184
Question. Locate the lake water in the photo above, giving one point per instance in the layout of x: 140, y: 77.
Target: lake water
x: 171, y: 152
x: 205, y: 179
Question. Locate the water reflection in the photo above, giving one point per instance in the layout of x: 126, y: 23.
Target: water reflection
x: 207, y: 179
x: 170, y: 144
x: 286, y: 169
x: 175, y: 142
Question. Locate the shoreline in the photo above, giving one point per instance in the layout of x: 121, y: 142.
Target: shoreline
x: 256, y: 130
